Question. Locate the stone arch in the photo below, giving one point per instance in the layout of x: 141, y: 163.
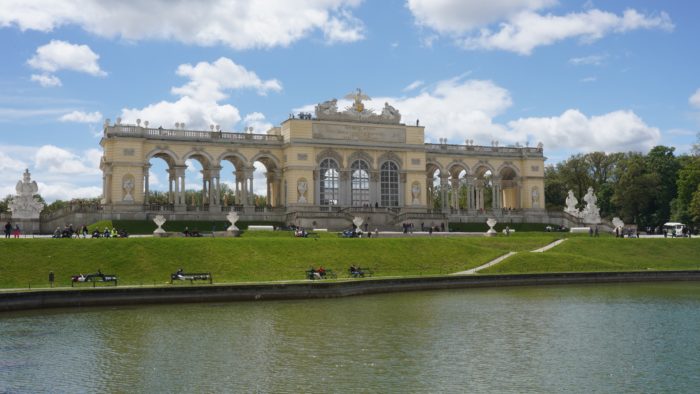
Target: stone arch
x: 234, y: 157
x: 482, y: 167
x: 432, y: 165
x: 361, y: 155
x: 508, y: 186
x: 267, y: 158
x: 508, y: 166
x: 390, y: 156
x: 456, y: 167
x: 330, y: 153
x: 458, y: 184
x: 162, y: 153
x: 200, y: 155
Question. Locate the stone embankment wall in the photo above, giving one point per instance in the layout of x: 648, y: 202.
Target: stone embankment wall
x: 105, y: 296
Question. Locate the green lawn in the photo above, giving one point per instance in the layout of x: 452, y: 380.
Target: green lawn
x: 584, y: 254
x: 256, y: 256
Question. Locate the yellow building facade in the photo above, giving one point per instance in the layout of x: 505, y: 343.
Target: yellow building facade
x: 325, y: 169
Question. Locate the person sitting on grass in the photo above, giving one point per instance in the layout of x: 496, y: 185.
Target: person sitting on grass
x: 321, y: 272
x: 106, y: 233
x: 96, y: 233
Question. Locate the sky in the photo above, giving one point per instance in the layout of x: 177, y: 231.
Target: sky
x: 578, y: 76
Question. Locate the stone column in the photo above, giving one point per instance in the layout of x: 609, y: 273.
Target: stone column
x: 215, y: 186
x: 344, y: 194
x: 496, y: 192
x: 250, y: 189
x: 402, y: 189
x: 455, y: 193
x: 443, y: 191
x: 237, y: 188
x: 180, y: 185
x: 205, y: 183
x: 146, y: 174
x: 375, y: 190
x: 171, y: 185
x: 277, y: 186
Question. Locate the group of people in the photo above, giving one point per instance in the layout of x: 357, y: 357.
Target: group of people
x: 191, y: 233
x: 69, y: 232
x: 15, y: 232
x: 356, y: 272
x: 319, y: 273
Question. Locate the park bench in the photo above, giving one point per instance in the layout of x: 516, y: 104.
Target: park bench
x: 329, y: 274
x: 360, y: 272
x: 94, y: 278
x: 191, y: 277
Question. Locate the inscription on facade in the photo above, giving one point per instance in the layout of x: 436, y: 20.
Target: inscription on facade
x: 415, y: 162
x: 359, y: 133
x: 129, y: 152
x: 302, y: 156
x: 535, y: 168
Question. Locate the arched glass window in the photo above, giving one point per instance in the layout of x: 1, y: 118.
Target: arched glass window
x: 389, y: 178
x: 329, y: 182
x: 360, y: 183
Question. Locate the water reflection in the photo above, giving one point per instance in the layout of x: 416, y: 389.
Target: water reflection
x: 607, y: 338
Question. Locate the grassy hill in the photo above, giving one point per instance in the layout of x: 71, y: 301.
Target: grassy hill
x: 584, y: 254
x: 270, y: 256
x: 261, y: 256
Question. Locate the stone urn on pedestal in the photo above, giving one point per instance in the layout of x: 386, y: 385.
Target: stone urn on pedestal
x: 491, y: 222
x: 159, y: 221
x: 232, y: 229
x: 357, y: 221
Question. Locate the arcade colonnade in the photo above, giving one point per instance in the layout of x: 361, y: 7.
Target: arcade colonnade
x: 314, y: 165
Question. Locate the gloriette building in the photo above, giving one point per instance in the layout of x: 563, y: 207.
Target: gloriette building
x: 322, y: 170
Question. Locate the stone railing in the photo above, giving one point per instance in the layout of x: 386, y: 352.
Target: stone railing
x: 511, y: 150
x: 182, y: 134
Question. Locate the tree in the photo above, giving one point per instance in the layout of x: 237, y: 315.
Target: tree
x: 636, y: 191
x: 603, y: 176
x: 574, y: 173
x: 5, y: 203
x: 661, y: 161
x: 555, y: 189
x: 687, y: 182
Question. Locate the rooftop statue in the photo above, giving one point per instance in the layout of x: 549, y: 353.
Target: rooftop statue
x: 328, y: 110
x: 24, y: 205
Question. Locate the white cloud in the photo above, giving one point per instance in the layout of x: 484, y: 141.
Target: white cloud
x: 343, y: 28
x: 459, y: 16
x: 256, y: 120
x: 413, y: 86
x: 239, y: 24
x: 57, y: 160
x: 66, y: 191
x: 521, y: 27
x: 694, y: 100
x: 592, y: 60
x: 617, y: 131
x: 199, y: 107
x: 46, y: 80
x: 61, y: 55
x: 195, y: 114
x: 81, y: 117
x: 61, y: 174
x: 209, y: 80
x: 589, y: 79
x: 528, y: 30
x: 459, y: 109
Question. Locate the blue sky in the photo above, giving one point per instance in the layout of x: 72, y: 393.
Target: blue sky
x: 578, y: 76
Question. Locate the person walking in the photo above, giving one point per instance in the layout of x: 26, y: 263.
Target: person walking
x: 17, y: 231
x: 8, y: 229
